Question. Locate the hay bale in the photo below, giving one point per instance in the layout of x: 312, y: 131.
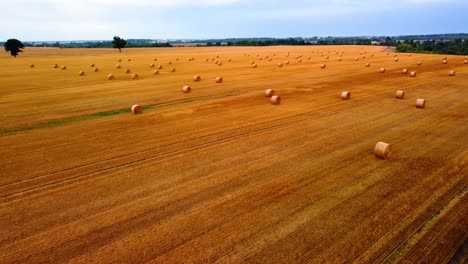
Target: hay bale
x: 280, y: 64
x: 419, y: 63
x: 345, y: 95
x: 120, y: 60
x: 169, y: 63
x: 275, y: 100
x: 404, y: 71
x: 136, y: 109
x: 269, y: 92
x: 177, y: 59
x: 135, y: 76
x: 444, y: 62
x: 367, y: 64
x: 92, y: 65
x: 219, y: 79
x: 155, y: 59
x: 152, y: 65
x: 64, y: 67
x: 382, y: 70
x: 340, y: 59
x: 383, y: 150
x: 110, y: 77
x: 396, y: 59
x: 129, y: 59
x: 356, y: 59
x: 160, y: 67
x: 308, y: 57
x: 400, y: 94
x: 229, y: 59
x: 220, y: 63
x: 55, y: 66
x: 155, y: 72
x: 327, y: 57
x: 254, y: 65
x: 186, y: 89
x: 96, y: 70
x: 412, y: 74
x: 420, y: 103
x: 196, y: 78
x: 452, y: 73
x: 323, y: 66
x: 465, y: 62
x: 127, y: 71
x: 445, y: 57
x: 300, y: 60
x: 173, y: 69
x: 118, y: 66
x: 81, y: 73
x: 286, y: 62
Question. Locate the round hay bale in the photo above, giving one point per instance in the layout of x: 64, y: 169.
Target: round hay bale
x: 120, y: 60
x: 383, y: 150
x: 196, y: 78
x: 327, y: 57
x: 400, y: 94
x: 92, y: 65
x: 173, y: 69
x: 169, y: 63
x: 55, y: 66
x: 254, y: 65
x: 155, y: 59
x: 110, y: 77
x: 409, y: 55
x: 269, y: 92
x: 308, y: 57
x: 300, y: 60
x: 129, y: 59
x: 64, y: 67
x: 177, y: 59
x: 412, y: 74
x: 206, y: 60
x: 452, y: 73
x: 186, y: 89
x: 96, y: 70
x: 444, y: 62
x: 270, y: 59
x: 219, y: 79
x: 345, y: 95
x: 280, y: 64
x: 419, y: 63
x: 396, y: 59
x: 367, y: 64
x: 395, y: 55
x: 382, y: 70
x: 340, y: 59
x: 160, y: 67
x: 275, y: 100
x: 445, y: 57
x: 152, y: 65
x: 286, y: 62
x: 135, y: 76
x: 420, y: 103
x: 229, y: 59
x: 323, y: 66
x: 118, y: 66
x: 404, y: 71
x: 260, y: 58
x: 136, y: 109
x: 220, y: 63
x: 465, y: 62
x: 356, y: 59
x: 127, y: 71
x: 81, y: 73
x: 155, y: 72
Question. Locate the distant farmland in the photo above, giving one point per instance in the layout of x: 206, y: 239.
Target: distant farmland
x: 221, y: 175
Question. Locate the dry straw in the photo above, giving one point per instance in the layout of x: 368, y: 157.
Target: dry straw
x: 135, y: 76
x: 400, y: 94
x: 452, y: 73
x: 382, y: 70
x: 404, y: 71
x: 81, y: 73
x: 280, y: 64
x: 118, y: 66
x: 413, y: 74
x: 127, y: 71
x: 64, y: 67
x: 444, y: 61
x: 55, y: 66
x: 269, y: 92
x: 173, y: 69
x: 254, y: 65
x: 96, y: 69
x: 396, y: 59
x: 367, y: 64
x: 155, y: 72
x: 323, y: 66
x: 420, y: 103
x: 110, y: 76
x: 465, y: 62
x: 92, y: 65
x: 345, y: 95
x: 196, y: 78
x: 136, y: 109
x: 419, y: 63
x: 219, y: 79
x: 186, y: 89
x: 383, y: 150
x: 275, y: 100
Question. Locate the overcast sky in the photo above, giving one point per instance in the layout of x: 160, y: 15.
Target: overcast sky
x: 169, y: 19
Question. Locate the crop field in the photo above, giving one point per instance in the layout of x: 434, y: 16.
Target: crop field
x: 220, y: 174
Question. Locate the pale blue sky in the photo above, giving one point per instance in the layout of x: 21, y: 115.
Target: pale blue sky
x: 103, y: 19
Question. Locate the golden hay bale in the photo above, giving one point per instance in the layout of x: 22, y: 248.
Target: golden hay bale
x: 260, y: 58
x: 308, y: 57
x: 327, y: 57
x: 127, y: 71
x: 412, y: 74
x: 383, y: 150
x: 219, y: 79
x: 409, y: 55
x: 269, y: 92
x: 395, y: 55
x: 155, y: 59
x: 445, y: 57
x: 280, y: 64
x: 220, y: 63
x: 419, y: 62
x: 404, y: 71
x: 345, y: 95
x: 136, y: 109
x: 160, y: 67
x: 229, y: 59
x: 152, y: 65
x: 382, y: 70
x: 444, y: 61
x: 155, y: 72
x: 81, y: 73
x: 340, y: 59
x: 118, y: 66
x: 465, y: 62
x: 169, y: 63
x: 363, y: 57
x: 452, y: 73
x: 286, y: 62
x: 129, y: 59
x: 367, y: 64
x: 396, y: 59
x: 92, y: 65
x: 177, y: 59
x: 300, y: 60
x: 269, y: 59
x: 252, y: 62
x: 110, y: 77
x: 64, y: 67
x: 196, y: 78
x: 420, y: 103
x: 135, y: 76
x: 96, y: 70
x: 206, y: 60
x: 120, y: 60
x: 356, y: 59
x: 400, y: 94
x: 55, y: 66
x: 323, y: 66
x: 173, y: 69
x: 186, y: 89
x: 254, y: 65
x: 275, y: 100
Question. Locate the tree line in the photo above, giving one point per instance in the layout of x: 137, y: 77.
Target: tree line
x: 456, y: 46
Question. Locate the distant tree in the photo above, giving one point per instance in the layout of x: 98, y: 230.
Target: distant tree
x: 119, y: 43
x: 13, y: 46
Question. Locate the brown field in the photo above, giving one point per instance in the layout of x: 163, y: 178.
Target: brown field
x: 220, y: 175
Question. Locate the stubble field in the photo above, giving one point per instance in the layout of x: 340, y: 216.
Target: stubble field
x: 220, y: 175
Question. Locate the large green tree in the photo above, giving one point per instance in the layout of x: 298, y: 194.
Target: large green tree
x: 119, y: 43
x: 13, y: 46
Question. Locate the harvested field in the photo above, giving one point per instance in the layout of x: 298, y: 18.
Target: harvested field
x: 220, y: 175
